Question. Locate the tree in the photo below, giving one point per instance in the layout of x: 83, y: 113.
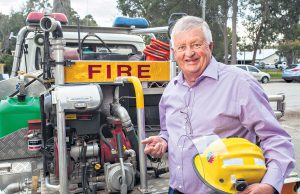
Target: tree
x: 88, y: 20
x: 291, y: 48
x: 4, y: 28
x: 7, y: 59
x: 158, y: 12
x: 10, y: 23
x: 72, y: 19
x: 258, y: 25
x: 234, y: 35
x: 36, y: 5
x: 268, y: 19
x: 62, y: 6
x: 222, y: 21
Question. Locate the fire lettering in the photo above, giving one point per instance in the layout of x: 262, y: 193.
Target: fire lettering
x: 143, y: 69
x: 121, y: 69
x: 93, y: 69
x: 108, y: 71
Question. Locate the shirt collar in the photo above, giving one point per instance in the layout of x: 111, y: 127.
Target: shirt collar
x: 212, y: 71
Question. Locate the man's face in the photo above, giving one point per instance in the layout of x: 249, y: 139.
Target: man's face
x: 192, y: 52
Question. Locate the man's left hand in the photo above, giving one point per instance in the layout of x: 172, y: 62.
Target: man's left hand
x: 258, y: 188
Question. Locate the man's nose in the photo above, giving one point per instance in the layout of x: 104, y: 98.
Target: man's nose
x: 189, y: 51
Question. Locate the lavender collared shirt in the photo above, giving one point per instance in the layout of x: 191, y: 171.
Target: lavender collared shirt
x: 227, y: 101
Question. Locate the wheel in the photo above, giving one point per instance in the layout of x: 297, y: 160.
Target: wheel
x: 264, y: 80
x: 288, y: 81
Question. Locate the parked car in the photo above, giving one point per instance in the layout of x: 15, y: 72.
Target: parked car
x: 259, y: 75
x: 259, y: 65
x: 280, y: 65
x: 270, y: 66
x: 292, y: 72
x: 3, y: 76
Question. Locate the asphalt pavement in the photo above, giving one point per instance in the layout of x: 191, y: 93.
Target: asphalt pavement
x: 291, y: 119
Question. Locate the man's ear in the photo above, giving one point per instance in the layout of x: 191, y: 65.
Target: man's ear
x: 211, y: 46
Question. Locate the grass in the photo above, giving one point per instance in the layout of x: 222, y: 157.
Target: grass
x: 275, y: 73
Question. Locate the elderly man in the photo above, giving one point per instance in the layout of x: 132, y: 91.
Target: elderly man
x: 216, y: 99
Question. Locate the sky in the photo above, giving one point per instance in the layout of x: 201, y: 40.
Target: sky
x: 103, y: 11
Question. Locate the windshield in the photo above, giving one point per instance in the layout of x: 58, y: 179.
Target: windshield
x: 123, y: 49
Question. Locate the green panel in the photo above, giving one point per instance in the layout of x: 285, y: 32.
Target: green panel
x: 14, y: 114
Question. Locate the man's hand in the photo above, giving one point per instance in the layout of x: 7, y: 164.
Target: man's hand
x: 258, y: 188
x: 155, y: 146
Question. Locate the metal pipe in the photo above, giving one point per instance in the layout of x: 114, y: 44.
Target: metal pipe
x: 119, y: 111
x: 116, y: 94
x: 13, y: 188
x: 141, y: 127
x: 79, y: 39
x: 142, y: 158
x: 62, y: 149
x: 49, y: 24
x: 280, y: 108
x: 123, y: 185
x: 97, y: 179
x: 120, y: 154
x: 131, y: 153
x: 50, y: 186
x: 203, y: 9
x: 277, y: 97
x: 92, y: 150
x: 18, y: 49
x: 58, y: 52
x: 278, y: 114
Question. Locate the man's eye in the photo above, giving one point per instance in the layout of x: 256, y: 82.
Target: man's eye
x: 181, y: 48
x: 197, y: 45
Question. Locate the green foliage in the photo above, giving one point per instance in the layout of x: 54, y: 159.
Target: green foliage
x: 269, y: 19
x: 290, y: 47
x: 10, y: 23
x: 37, y: 5
x: 274, y: 73
x: 16, y: 20
x: 159, y: 11
x: 88, y: 20
x: 4, y: 30
x: 8, y: 61
x: 73, y: 17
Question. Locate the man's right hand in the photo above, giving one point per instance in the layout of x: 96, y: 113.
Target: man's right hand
x: 155, y: 146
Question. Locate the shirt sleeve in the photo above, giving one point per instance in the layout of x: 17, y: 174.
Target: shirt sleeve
x: 162, y: 115
x: 257, y: 116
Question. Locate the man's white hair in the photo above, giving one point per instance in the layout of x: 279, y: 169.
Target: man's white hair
x: 187, y: 23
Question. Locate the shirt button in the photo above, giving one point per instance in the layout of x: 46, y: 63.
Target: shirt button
x: 178, y: 167
x: 180, y: 186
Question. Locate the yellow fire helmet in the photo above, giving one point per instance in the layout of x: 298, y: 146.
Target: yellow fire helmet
x: 228, y: 165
